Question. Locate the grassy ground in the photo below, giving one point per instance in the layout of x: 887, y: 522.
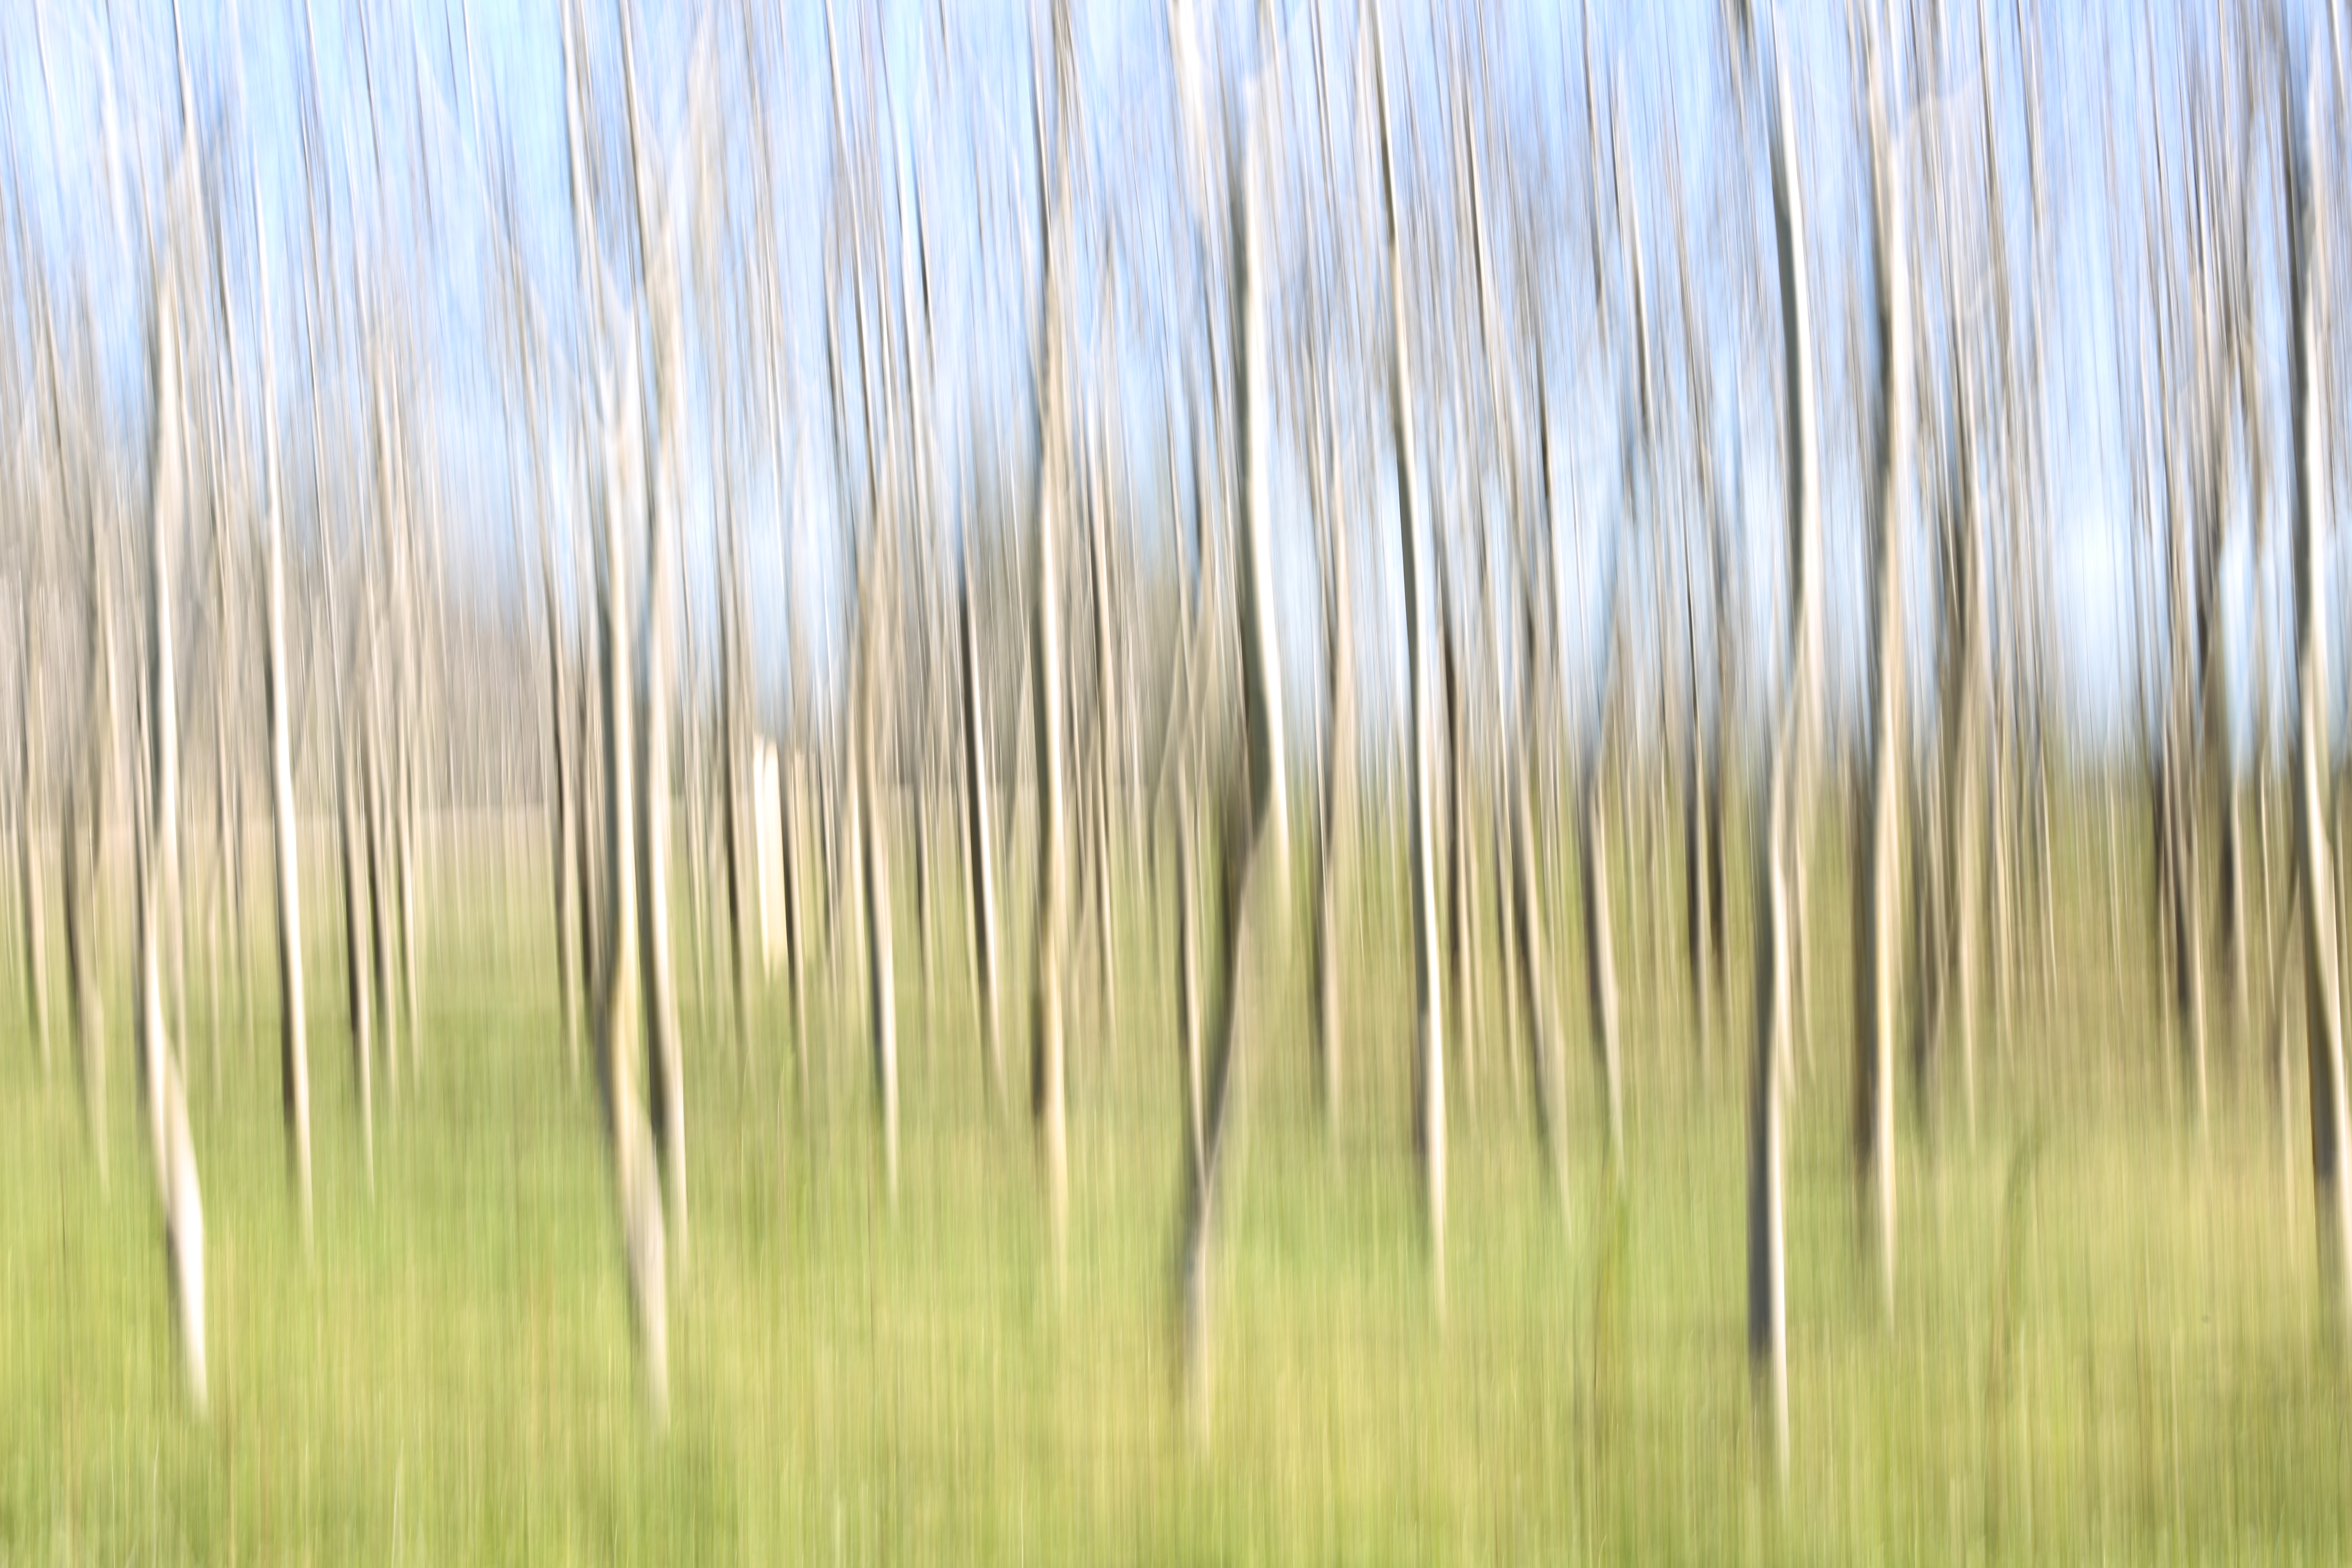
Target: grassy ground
x: 2105, y: 1345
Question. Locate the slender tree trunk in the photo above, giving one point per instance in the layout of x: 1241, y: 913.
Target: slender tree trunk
x: 980, y: 842
x: 1964, y: 805
x: 921, y: 803
x: 1429, y: 1001
x: 1106, y: 732
x: 793, y: 811
x: 1876, y: 968
x: 2187, y: 950
x: 1534, y: 972
x: 734, y: 734
x: 293, y: 1028
x: 694, y: 784
x: 1249, y: 838
x: 634, y: 1159
x: 163, y: 1084
x: 590, y: 895
x: 1599, y: 955
x: 356, y: 941
x: 870, y: 808
x: 1461, y: 939
x: 664, y: 1066
x: 1766, y: 1269
x: 1188, y: 983
x: 404, y: 867
x: 2000, y: 921
x: 1045, y: 1067
x: 224, y: 832
x: 2324, y: 1020
x: 173, y: 1151
x: 380, y: 894
x: 32, y: 730
x: 1047, y: 1091
x: 2046, y: 876
x: 1697, y: 876
x: 1338, y: 806
x: 81, y: 852
x: 563, y: 829
x: 1767, y: 1329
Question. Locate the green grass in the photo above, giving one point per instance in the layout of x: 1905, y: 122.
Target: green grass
x: 2105, y: 1345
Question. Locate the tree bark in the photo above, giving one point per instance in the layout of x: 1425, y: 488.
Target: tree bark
x: 1247, y: 839
x: 1429, y: 1002
x: 2323, y: 1023
x: 1600, y: 954
x: 634, y: 1157
x: 1048, y: 1092
x: 163, y: 1085
x: 32, y: 727
x: 356, y: 939
x: 665, y: 1076
x: 637, y: 1180
x: 1766, y: 1269
x: 1338, y: 825
x: 870, y: 808
x: 1876, y: 967
x: 562, y: 804
x: 979, y: 840
x: 293, y: 1028
x: 382, y: 895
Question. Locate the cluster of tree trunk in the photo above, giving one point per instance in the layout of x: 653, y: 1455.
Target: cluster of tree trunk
x: 1002, y: 658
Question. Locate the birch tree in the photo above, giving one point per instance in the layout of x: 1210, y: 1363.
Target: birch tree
x: 637, y: 1181
x: 2308, y: 268
x: 162, y: 1087
x: 1777, y: 832
x: 1429, y: 1031
x: 1878, y: 933
x: 294, y: 1051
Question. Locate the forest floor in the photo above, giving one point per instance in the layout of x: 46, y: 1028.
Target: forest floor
x: 2105, y: 1342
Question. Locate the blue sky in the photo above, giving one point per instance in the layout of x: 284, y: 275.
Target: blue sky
x: 86, y: 136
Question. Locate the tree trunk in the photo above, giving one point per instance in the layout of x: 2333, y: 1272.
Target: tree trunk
x: 1601, y: 956
x: 293, y: 1028
x: 1338, y: 803
x: 1876, y: 970
x: 1247, y: 840
x: 1188, y: 983
x: 869, y: 806
x: 81, y: 853
x: 564, y: 832
x: 1106, y: 749
x: 590, y: 895
x: 1534, y: 972
x: 1429, y: 1001
x: 1766, y: 1269
x: 636, y: 1175
x: 31, y: 732
x: 403, y: 824
x: 356, y: 940
x: 380, y: 894
x: 1965, y: 741
x: 1697, y: 878
x: 1462, y: 941
x: 1048, y: 1092
x: 2324, y: 1020
x: 162, y: 1080
x: 794, y: 812
x: 979, y: 843
x: 735, y: 734
x: 664, y: 1074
